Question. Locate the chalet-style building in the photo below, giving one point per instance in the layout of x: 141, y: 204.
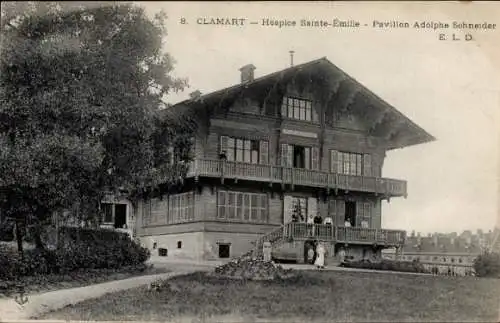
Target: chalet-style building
x: 270, y: 154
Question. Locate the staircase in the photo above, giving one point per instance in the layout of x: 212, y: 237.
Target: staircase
x: 275, y: 237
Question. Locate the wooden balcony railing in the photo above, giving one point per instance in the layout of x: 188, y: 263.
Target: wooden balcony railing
x: 297, y: 230
x: 296, y: 176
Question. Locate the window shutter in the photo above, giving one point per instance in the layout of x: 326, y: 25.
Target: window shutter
x: 376, y: 222
x: 223, y: 144
x: 340, y: 212
x: 312, y: 209
x: 284, y: 107
x: 314, y: 114
x: 359, y: 213
x: 334, y: 161
x: 264, y: 152
x: 367, y: 213
x: 367, y: 165
x: 287, y: 209
x: 283, y: 154
x: 315, y: 158
x: 221, y: 205
x: 289, y: 156
x: 332, y: 208
x: 286, y: 155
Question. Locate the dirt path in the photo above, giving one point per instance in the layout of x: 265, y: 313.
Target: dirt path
x: 42, y: 303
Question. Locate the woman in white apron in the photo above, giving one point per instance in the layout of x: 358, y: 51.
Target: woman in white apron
x: 320, y: 256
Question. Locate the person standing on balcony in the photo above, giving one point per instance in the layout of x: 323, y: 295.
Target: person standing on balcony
x: 317, y: 220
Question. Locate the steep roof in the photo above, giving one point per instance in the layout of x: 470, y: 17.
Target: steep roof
x: 412, y: 134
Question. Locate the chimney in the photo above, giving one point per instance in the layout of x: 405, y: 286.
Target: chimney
x: 435, y: 239
x: 247, y: 73
x: 291, y: 57
x: 195, y: 95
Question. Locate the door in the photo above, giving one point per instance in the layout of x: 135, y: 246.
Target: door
x: 120, y: 215
x: 350, y: 212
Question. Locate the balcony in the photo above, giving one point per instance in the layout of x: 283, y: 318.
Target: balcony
x: 350, y: 235
x: 296, y: 176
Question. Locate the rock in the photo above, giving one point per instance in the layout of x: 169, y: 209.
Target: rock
x: 252, y: 268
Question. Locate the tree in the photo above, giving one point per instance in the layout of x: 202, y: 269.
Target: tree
x: 487, y: 265
x: 81, y: 86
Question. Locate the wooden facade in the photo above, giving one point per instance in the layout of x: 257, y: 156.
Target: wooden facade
x: 308, y: 139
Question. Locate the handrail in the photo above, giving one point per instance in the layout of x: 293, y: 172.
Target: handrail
x: 296, y: 176
x: 327, y: 232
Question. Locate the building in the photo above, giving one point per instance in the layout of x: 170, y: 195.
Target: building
x: 270, y: 154
x: 448, y: 253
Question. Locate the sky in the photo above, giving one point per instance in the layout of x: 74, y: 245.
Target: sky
x: 449, y: 88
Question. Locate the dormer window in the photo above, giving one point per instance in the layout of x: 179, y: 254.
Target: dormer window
x: 299, y: 109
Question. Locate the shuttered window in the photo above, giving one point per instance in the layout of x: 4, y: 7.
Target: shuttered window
x: 181, y: 208
x: 242, y: 206
x: 299, y: 109
x: 299, y: 156
x: 244, y: 150
x: 350, y: 163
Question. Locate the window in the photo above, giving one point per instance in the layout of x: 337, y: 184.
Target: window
x: 300, y: 109
x: 107, y: 212
x: 115, y: 214
x: 349, y: 163
x: 242, y: 206
x: 299, y: 156
x: 181, y: 208
x: 179, y: 244
x: 224, y: 250
x: 244, y: 150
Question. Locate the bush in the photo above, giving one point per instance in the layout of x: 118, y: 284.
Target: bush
x: 78, y: 249
x: 7, y: 230
x: 102, y: 248
x: 487, y: 265
x: 401, y: 266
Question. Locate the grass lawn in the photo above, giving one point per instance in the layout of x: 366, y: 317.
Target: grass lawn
x: 46, y: 283
x: 312, y: 296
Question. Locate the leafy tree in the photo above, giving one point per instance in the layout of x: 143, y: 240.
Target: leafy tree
x: 487, y: 265
x: 81, y: 86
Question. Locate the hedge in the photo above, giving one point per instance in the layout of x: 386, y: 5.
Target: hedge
x: 78, y: 249
x: 401, y: 266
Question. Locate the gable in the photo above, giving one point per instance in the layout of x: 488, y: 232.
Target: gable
x: 348, y: 104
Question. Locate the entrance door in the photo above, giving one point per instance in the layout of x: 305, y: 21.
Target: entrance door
x: 350, y: 212
x: 120, y: 215
x: 224, y: 251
